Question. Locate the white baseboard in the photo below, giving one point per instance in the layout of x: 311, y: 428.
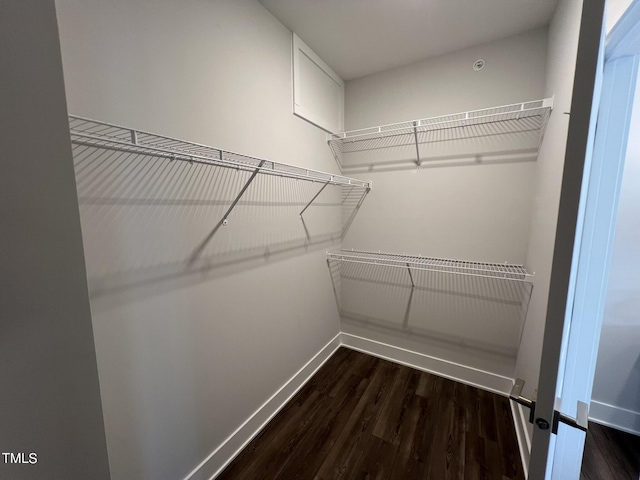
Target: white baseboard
x: 216, y: 462
x: 521, y: 420
x: 615, y: 417
x: 454, y: 371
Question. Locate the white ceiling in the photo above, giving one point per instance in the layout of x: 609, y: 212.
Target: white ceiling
x: 361, y: 37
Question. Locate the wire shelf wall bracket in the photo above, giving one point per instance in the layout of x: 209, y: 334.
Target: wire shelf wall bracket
x: 529, y: 116
x: 497, y: 271
x: 102, y: 135
x: 314, y: 197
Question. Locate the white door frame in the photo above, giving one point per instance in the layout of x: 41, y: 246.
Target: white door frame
x: 579, y: 278
x: 595, y: 257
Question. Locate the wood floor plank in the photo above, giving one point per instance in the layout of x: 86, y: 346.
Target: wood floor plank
x: 447, y: 457
x: 426, y: 384
x: 319, y: 442
x: 336, y: 372
x: 475, y: 455
x: 624, y: 450
x: 473, y: 410
x: 510, y: 460
x: 487, y: 416
x: 415, y: 465
x: 361, y: 417
x: 375, y: 463
x: 595, y: 465
x: 493, y: 454
x: 482, y: 458
x: 388, y: 423
x: 610, y: 453
x: 342, y: 358
x: 282, y: 450
x: 261, y: 448
x: 404, y: 460
x: 359, y: 425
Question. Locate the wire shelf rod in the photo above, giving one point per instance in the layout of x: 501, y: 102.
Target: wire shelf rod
x: 407, y: 130
x: 431, y: 141
x: 403, y: 256
x: 475, y: 269
x: 450, y: 265
x: 206, y: 160
x: 514, y: 111
x: 90, y: 133
x: 416, y: 267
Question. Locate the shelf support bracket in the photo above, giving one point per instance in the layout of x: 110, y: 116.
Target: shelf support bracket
x: 415, y: 135
x: 239, y: 196
x: 413, y: 285
x: 223, y: 221
x: 314, y: 197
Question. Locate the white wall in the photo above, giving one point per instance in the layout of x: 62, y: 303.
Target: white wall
x: 186, y: 355
x: 616, y: 389
x: 614, y: 10
x: 561, y: 58
x: 477, y: 210
x: 49, y: 392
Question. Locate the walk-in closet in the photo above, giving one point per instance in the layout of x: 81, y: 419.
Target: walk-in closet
x: 291, y: 239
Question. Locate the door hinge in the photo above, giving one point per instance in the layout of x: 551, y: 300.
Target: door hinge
x: 581, y: 421
x: 516, y: 396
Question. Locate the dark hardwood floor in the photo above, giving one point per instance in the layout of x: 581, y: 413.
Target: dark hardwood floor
x: 361, y: 417
x: 610, y: 454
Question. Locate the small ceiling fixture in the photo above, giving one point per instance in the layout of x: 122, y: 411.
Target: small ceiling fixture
x: 478, y: 64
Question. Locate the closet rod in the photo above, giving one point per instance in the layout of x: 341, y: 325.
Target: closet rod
x: 91, y: 133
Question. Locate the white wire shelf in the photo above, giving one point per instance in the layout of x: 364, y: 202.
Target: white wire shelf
x: 526, y: 117
x: 92, y: 133
x: 500, y: 271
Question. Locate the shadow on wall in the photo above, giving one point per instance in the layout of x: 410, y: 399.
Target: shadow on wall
x: 152, y: 223
x: 484, y: 315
